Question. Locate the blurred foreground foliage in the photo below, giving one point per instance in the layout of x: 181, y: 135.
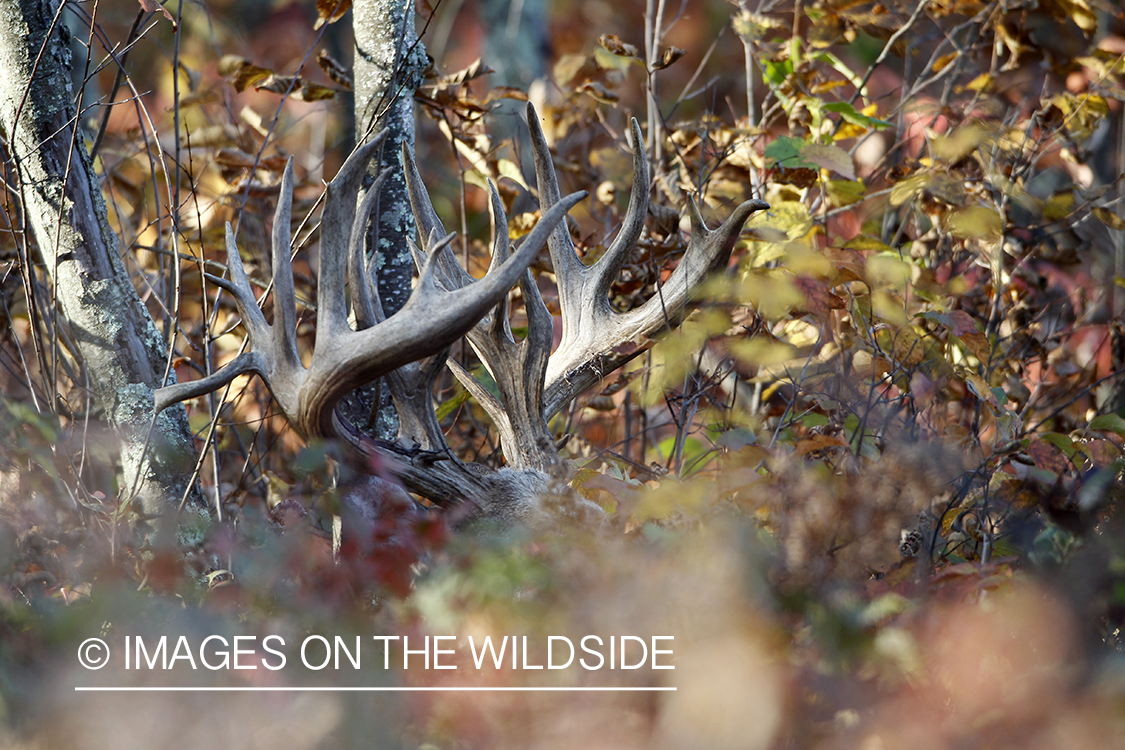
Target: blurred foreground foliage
x: 872, y: 486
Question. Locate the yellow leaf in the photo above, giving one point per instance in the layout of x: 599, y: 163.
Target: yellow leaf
x: 982, y: 83
x: 773, y: 296
x: 1107, y: 217
x: 887, y: 270
x: 975, y: 222
x: 845, y: 192
x: 942, y: 62
x: 1059, y: 206
x: 330, y: 11
x: 962, y: 142
x: 762, y: 351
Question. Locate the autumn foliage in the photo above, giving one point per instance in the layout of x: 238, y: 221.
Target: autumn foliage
x: 872, y: 484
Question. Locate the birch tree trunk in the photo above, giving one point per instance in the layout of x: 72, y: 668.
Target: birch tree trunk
x: 122, y: 350
x: 389, y: 64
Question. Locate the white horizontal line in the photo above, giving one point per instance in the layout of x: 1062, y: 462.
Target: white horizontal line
x: 294, y: 689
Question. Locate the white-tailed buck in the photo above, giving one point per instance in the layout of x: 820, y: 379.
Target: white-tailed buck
x: 409, y: 349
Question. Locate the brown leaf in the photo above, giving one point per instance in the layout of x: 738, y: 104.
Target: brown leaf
x: 832, y: 158
x: 671, y: 55
x: 495, y: 93
x: 1016, y: 494
x: 1047, y: 456
x: 475, y: 70
x: 612, y: 43
x: 313, y: 92
x: 334, y: 70
x: 599, y: 92
x: 241, y: 72
x: 152, y: 6
x: 849, y: 264
x: 330, y: 11
x: 819, y: 299
x: 817, y: 442
x: 908, y: 348
x: 979, y: 345
x: 960, y: 323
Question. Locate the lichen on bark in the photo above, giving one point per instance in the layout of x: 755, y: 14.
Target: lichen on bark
x: 122, y: 351
x: 389, y: 65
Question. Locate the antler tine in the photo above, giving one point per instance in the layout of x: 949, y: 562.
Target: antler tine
x: 518, y: 368
x: 239, y: 288
x: 336, y: 237
x: 497, y: 320
x: 430, y: 228
x: 563, y: 255
x: 412, y: 386
x: 609, y: 265
x: 595, y: 338
x: 284, y: 345
x: 256, y: 326
x: 607, y: 339
x: 365, y: 294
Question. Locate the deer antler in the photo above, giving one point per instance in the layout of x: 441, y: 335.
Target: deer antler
x: 345, y: 359
x: 533, y: 383
x: 517, y: 368
x: 409, y: 348
x: 596, y: 339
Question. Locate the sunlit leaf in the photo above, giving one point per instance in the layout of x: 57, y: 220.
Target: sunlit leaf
x: 762, y: 351
x: 612, y: 43
x: 845, y: 192
x: 1109, y: 423
x: 850, y: 114
x: 330, y: 11
x: 975, y: 221
x: 1109, y: 218
x: 670, y: 56
x: 832, y: 158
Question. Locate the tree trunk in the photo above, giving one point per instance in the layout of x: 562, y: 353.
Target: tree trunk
x: 389, y: 64
x: 123, y: 352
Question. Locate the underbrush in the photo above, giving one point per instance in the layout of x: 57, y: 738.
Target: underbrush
x: 871, y: 487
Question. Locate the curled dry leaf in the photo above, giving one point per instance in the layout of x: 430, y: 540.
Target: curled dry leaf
x: 612, y: 43
x: 152, y: 6
x: 671, y: 55
x: 330, y: 11
x: 242, y: 74
x: 334, y: 70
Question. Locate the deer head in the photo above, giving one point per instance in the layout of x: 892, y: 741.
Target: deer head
x: 409, y: 349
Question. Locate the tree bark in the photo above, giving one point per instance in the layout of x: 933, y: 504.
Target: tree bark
x: 123, y: 352
x: 389, y: 65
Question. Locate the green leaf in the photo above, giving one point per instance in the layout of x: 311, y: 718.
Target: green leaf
x: 447, y: 407
x: 1060, y: 441
x: 1109, y: 423
x: 776, y: 71
x: 845, y: 192
x: 855, y: 117
x: 786, y: 153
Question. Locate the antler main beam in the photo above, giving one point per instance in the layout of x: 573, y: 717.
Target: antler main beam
x: 345, y: 359
x: 532, y: 383
x: 596, y: 339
